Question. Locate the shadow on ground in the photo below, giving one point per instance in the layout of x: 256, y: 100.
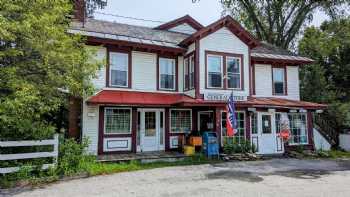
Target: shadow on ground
x: 292, y: 168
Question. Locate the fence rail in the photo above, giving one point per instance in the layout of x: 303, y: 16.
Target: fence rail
x: 32, y: 155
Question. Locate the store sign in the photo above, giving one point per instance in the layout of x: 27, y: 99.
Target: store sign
x: 209, y: 96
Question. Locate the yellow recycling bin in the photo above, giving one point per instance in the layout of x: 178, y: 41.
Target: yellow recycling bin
x: 189, y: 150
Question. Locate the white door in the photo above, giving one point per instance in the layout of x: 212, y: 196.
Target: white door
x: 267, y: 134
x: 151, y: 130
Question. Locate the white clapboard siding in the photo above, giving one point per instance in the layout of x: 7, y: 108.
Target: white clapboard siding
x: 263, y: 82
x: 223, y: 40
x: 144, y: 71
x: 90, y: 126
x: 183, y: 28
x: 99, y: 81
x: 33, y: 155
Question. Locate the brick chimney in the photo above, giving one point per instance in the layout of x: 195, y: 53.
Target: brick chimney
x: 79, y: 10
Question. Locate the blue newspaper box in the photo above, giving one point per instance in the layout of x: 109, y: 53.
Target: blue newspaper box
x: 210, y: 144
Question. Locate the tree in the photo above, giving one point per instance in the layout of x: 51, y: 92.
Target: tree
x: 39, y: 61
x: 328, y: 79
x: 279, y: 22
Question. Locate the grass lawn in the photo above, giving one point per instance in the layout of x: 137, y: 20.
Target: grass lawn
x: 97, y: 168
x: 91, y: 167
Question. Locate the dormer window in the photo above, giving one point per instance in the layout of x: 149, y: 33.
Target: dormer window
x: 119, y: 69
x: 279, y: 81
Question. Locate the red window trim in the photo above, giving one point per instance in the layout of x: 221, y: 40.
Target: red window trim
x: 285, y: 91
x: 188, y: 59
x: 176, y: 72
x: 224, y: 56
x: 129, y: 67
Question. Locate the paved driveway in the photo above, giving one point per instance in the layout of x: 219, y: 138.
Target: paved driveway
x: 277, y: 177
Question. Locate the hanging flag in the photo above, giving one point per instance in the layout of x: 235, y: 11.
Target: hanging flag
x: 231, y: 122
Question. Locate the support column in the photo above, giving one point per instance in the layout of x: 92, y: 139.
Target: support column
x: 247, y: 126
x: 310, y: 127
x: 134, y: 130
x: 218, y: 123
x: 167, y: 128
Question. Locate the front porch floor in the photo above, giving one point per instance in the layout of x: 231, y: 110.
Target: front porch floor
x: 143, y: 157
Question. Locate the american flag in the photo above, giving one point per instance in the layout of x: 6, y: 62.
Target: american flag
x: 231, y: 122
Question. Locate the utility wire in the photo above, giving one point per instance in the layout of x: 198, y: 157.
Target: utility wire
x: 128, y: 17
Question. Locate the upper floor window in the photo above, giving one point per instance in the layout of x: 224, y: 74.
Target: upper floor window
x: 215, y: 71
x: 189, y: 72
x: 233, y: 66
x: 167, y: 74
x: 119, y: 69
x: 278, y: 80
x: 224, y: 70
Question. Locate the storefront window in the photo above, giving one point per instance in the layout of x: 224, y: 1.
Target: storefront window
x: 117, y: 121
x: 240, y: 135
x: 180, y: 121
x: 298, y: 128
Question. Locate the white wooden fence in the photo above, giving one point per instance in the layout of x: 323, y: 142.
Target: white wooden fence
x: 32, y: 155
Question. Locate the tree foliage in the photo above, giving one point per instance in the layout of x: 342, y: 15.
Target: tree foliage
x: 38, y: 59
x: 279, y: 21
x: 328, y: 79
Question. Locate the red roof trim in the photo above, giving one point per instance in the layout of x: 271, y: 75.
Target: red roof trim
x: 231, y: 24
x: 132, y: 98
x: 185, y: 19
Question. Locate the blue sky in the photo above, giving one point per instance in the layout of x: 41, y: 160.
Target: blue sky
x: 205, y: 11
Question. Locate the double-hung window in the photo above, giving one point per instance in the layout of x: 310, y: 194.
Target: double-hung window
x: 167, y: 74
x: 189, y: 72
x: 233, y: 66
x: 119, y: 64
x: 117, y: 121
x: 279, y: 86
x: 215, y: 71
x: 180, y: 120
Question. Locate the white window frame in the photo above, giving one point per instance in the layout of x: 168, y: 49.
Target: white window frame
x: 245, y: 127
x: 159, y: 76
x: 127, y: 70
x: 105, y: 119
x: 284, y: 80
x: 306, y: 131
x: 222, y: 71
x: 170, y: 126
x: 240, y: 72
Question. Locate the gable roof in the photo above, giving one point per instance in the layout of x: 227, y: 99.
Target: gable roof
x: 185, y: 19
x: 129, y: 33
x: 228, y: 22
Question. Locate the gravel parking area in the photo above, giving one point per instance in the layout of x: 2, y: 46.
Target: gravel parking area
x: 276, y: 177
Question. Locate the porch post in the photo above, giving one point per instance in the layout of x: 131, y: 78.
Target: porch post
x: 218, y: 123
x: 167, y: 127
x: 134, y: 130
x: 247, y: 126
x: 310, y: 127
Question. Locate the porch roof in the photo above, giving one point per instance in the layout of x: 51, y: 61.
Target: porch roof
x: 114, y: 97
x: 133, y: 98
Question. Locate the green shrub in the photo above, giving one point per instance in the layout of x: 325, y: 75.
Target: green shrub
x: 244, y: 146
x: 72, y: 157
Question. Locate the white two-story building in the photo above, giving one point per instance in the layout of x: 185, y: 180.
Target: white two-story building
x: 159, y: 84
